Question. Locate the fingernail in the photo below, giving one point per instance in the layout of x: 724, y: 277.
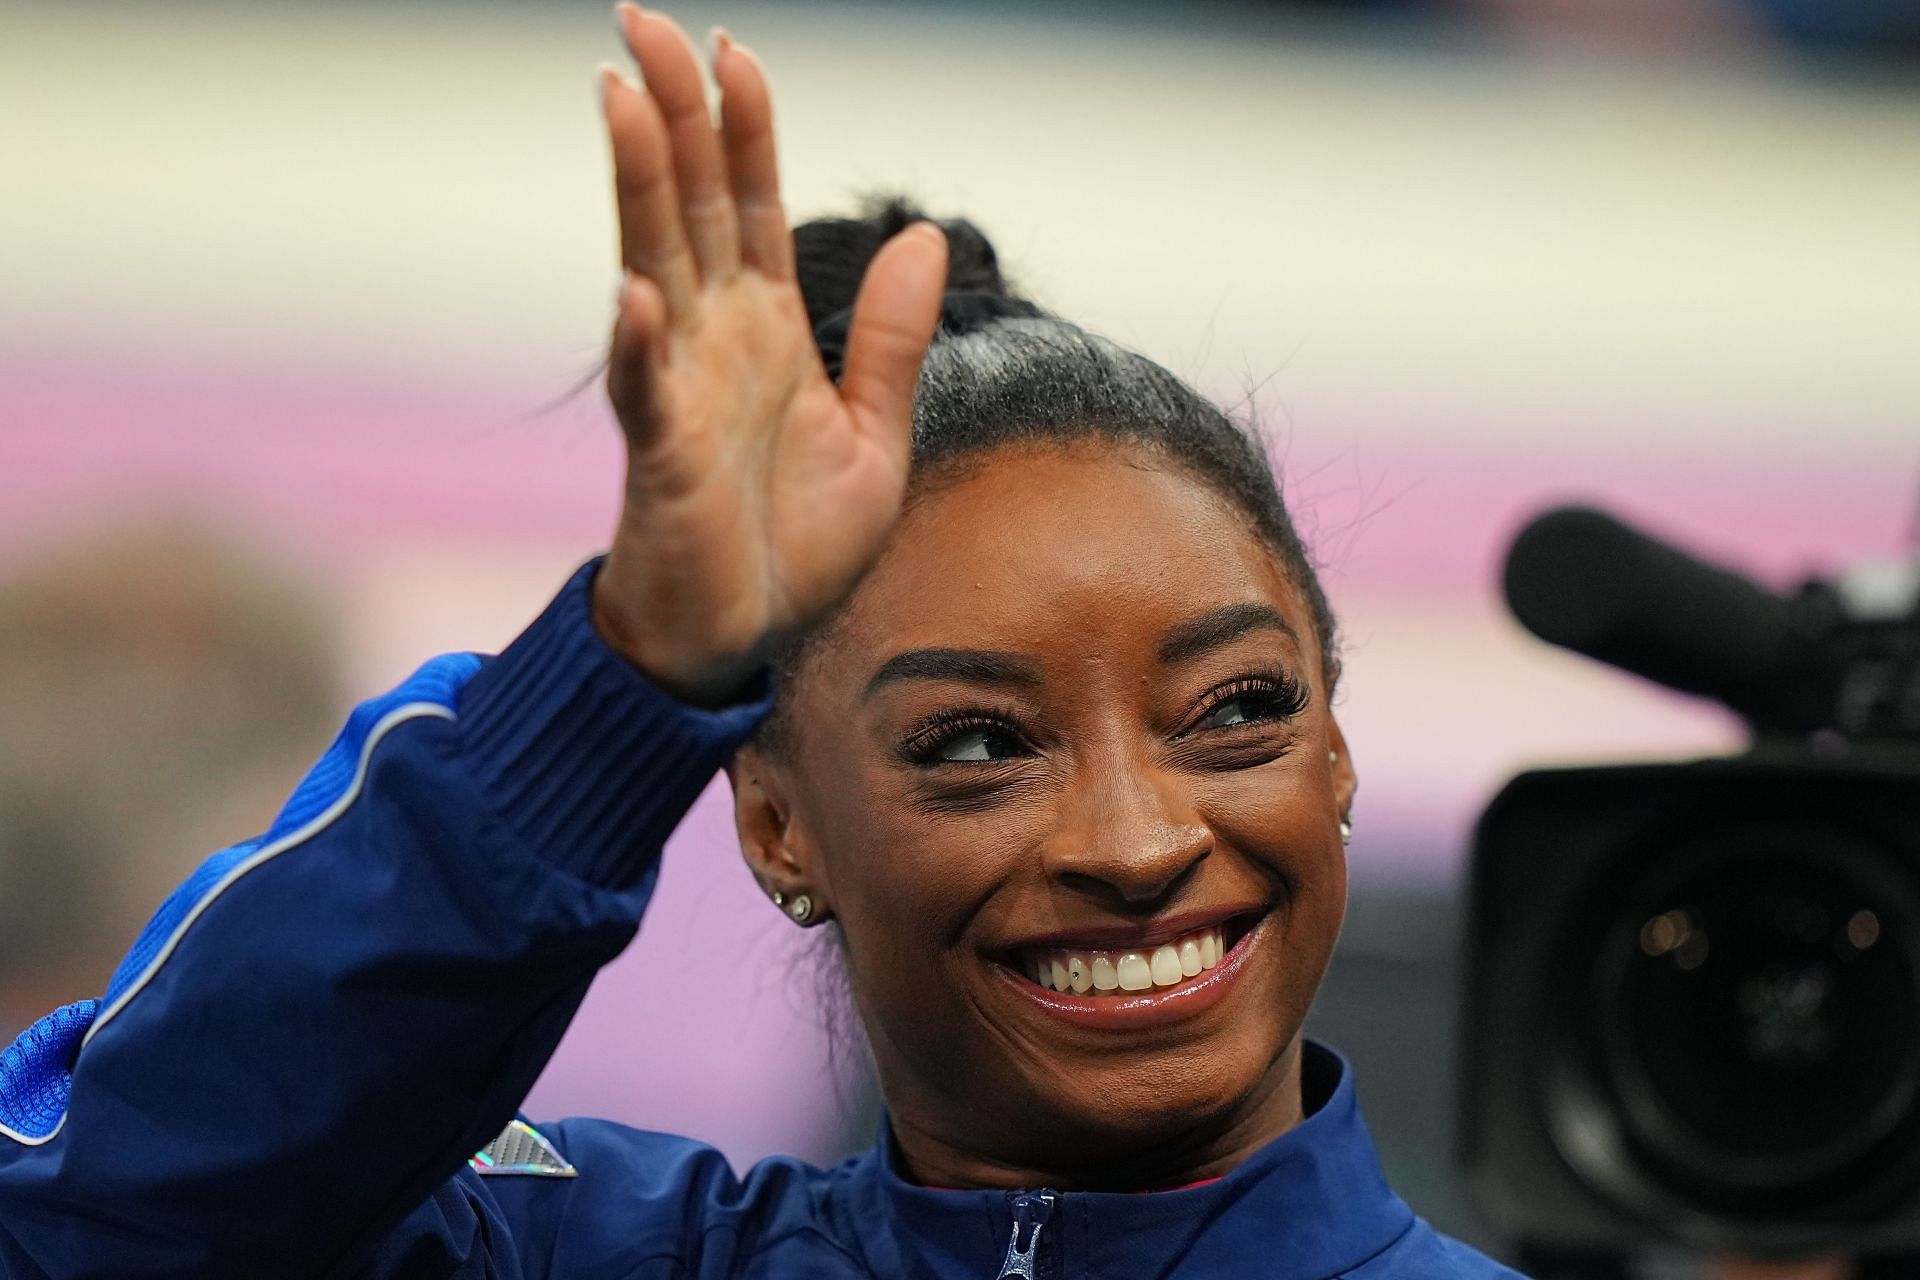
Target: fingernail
x: 625, y: 14
x: 610, y: 78
x: 718, y: 42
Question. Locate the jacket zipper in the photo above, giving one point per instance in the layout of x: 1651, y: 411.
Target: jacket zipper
x: 1030, y: 1209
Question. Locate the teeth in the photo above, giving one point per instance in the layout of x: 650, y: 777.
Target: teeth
x: 1079, y: 974
x: 1167, y: 965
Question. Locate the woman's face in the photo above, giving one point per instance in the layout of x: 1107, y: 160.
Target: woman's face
x: 1072, y: 727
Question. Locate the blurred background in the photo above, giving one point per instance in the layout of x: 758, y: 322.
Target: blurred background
x: 297, y: 303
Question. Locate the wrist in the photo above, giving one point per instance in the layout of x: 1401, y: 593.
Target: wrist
x: 586, y: 759
x: 709, y: 675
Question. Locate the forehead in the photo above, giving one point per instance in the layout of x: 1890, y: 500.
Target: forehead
x: 1086, y: 551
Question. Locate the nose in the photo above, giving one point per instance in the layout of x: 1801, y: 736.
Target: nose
x: 1127, y: 835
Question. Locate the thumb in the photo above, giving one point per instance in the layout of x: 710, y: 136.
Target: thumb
x: 893, y: 322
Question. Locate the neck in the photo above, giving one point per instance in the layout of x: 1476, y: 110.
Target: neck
x: 1159, y: 1154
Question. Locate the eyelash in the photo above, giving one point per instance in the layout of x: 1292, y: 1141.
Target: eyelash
x: 1285, y: 697
x: 923, y: 743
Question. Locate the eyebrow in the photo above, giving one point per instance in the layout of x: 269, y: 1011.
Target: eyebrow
x: 1219, y: 626
x: 971, y: 666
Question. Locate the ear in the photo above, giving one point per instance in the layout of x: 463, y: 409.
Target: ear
x: 763, y: 818
x: 1345, y: 780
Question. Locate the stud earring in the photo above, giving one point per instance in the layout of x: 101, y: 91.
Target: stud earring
x: 1346, y: 831
x: 779, y: 898
x: 801, y: 908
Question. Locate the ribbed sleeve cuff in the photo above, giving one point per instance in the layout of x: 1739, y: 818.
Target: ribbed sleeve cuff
x: 581, y: 754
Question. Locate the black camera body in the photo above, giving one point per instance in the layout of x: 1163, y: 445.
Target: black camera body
x: 1694, y: 1009
x: 1693, y: 990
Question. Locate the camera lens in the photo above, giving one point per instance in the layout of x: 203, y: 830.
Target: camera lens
x: 1753, y: 1033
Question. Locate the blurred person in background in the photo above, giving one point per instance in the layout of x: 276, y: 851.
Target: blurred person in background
x: 157, y: 689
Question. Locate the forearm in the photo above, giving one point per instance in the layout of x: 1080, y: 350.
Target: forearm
x: 322, y: 1025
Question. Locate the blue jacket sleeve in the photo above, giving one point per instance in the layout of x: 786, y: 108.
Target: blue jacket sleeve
x: 321, y: 1026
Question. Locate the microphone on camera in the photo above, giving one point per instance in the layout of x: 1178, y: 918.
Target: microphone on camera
x: 1578, y: 578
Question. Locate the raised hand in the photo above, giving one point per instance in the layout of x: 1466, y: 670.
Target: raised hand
x: 757, y: 490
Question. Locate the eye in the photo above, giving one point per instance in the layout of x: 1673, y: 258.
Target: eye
x: 1238, y: 710
x: 978, y: 744
x: 963, y: 737
x: 1252, y: 700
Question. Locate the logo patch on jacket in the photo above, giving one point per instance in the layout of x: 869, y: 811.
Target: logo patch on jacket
x: 524, y: 1150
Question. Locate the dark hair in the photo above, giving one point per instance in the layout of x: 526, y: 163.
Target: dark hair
x: 1003, y: 372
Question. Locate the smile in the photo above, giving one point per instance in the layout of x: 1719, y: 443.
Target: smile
x: 1102, y: 972
x: 1105, y: 1001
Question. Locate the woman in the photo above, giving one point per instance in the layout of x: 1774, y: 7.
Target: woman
x: 1050, y: 745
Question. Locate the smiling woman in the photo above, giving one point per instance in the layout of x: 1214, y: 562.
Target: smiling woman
x: 1023, y: 682
x: 1100, y: 744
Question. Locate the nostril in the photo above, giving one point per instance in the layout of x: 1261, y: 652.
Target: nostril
x: 1135, y: 871
x: 1130, y: 885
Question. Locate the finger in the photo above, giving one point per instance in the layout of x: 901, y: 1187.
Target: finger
x: 652, y: 241
x: 674, y: 81
x: 636, y: 354
x: 753, y: 170
x: 893, y: 322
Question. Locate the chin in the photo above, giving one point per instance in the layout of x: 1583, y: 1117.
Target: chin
x: 1133, y: 1122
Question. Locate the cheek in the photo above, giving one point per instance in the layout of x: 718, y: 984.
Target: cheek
x: 905, y: 888
x: 1283, y: 818
x: 906, y: 883
x: 1284, y: 825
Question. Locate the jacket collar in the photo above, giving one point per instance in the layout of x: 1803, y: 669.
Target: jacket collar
x: 1312, y: 1203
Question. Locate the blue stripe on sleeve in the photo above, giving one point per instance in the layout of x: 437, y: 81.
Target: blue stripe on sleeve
x: 437, y: 682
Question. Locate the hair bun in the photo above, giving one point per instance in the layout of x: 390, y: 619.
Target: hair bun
x: 831, y: 256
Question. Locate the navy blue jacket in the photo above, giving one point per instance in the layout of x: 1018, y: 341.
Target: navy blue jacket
x: 290, y: 1073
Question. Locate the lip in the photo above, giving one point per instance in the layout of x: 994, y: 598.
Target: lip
x: 1148, y: 1008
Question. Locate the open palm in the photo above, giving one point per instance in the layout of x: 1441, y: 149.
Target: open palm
x: 757, y: 489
